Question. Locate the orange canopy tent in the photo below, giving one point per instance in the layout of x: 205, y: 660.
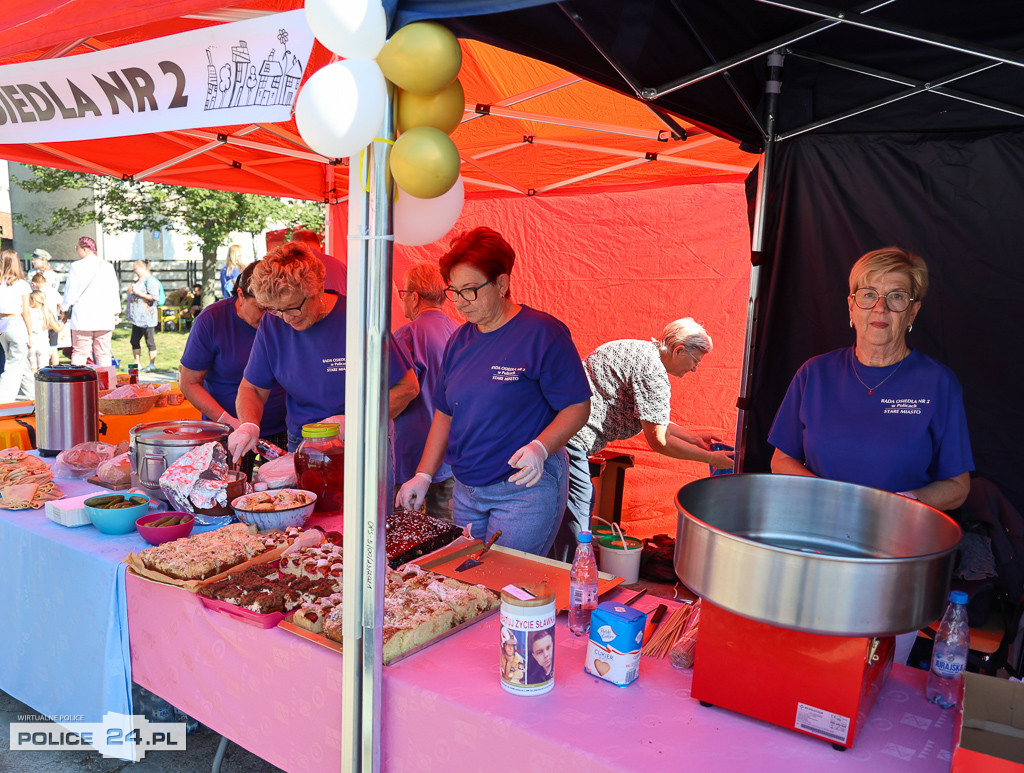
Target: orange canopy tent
x: 595, y: 190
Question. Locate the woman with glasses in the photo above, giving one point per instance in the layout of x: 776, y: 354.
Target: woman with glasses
x: 511, y: 392
x: 879, y: 413
x: 300, y: 346
x: 215, y: 356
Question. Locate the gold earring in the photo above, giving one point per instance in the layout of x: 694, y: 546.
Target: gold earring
x: 851, y: 323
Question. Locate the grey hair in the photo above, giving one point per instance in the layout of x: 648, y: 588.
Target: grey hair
x: 425, y: 279
x: 685, y: 332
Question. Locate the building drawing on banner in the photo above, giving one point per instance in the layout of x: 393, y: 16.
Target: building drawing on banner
x: 239, y: 83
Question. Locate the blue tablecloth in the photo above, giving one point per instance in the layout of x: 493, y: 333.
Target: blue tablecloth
x: 64, y: 634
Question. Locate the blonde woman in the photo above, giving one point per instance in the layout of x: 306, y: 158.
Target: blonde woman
x: 229, y: 274
x: 15, y: 324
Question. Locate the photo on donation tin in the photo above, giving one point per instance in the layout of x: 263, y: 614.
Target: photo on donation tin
x: 541, y: 667
x: 512, y: 660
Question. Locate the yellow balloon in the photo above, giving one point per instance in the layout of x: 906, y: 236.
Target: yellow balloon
x: 425, y: 162
x: 442, y: 110
x: 422, y: 57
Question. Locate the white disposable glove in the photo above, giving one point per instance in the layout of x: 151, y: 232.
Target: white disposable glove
x: 339, y: 420
x: 227, y: 418
x: 243, y: 440
x: 530, y: 459
x: 413, y: 491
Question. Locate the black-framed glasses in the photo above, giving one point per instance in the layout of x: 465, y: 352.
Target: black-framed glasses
x: 403, y: 293
x: 867, y: 298
x: 287, y: 312
x: 467, y: 293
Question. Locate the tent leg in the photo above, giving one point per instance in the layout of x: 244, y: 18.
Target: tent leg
x: 773, y: 86
x: 368, y: 339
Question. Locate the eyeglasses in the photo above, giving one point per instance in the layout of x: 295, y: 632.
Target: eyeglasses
x: 867, y: 298
x: 467, y: 293
x: 403, y: 293
x: 293, y: 311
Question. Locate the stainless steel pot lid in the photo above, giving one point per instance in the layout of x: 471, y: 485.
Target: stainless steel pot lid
x: 65, y: 373
x: 815, y: 555
x: 179, y: 433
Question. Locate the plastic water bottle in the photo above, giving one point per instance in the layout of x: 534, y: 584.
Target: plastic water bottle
x: 949, y: 655
x: 582, y: 586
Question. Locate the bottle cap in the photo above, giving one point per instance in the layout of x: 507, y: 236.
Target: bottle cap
x: 958, y: 597
x: 584, y: 536
x: 320, y: 430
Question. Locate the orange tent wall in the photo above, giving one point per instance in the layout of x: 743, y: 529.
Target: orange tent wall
x: 621, y: 264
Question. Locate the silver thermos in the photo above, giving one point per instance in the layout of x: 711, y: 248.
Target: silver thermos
x: 67, y: 408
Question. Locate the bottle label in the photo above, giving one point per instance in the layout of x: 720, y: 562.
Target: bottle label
x: 948, y: 667
x: 584, y: 596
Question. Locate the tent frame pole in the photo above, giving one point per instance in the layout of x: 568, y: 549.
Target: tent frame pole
x: 367, y: 332
x: 772, y: 87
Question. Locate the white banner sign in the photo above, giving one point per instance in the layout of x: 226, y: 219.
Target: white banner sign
x: 246, y: 72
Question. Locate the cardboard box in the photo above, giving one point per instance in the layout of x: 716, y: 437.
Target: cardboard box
x: 990, y: 735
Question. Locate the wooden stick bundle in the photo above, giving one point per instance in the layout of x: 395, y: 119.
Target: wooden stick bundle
x: 667, y: 633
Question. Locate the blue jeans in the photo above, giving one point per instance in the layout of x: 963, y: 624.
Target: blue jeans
x: 579, y: 506
x: 528, y: 517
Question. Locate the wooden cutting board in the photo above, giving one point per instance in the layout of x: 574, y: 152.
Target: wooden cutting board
x: 503, y: 566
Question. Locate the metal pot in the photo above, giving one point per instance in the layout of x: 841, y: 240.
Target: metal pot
x: 67, y: 410
x: 154, y: 447
x: 815, y: 555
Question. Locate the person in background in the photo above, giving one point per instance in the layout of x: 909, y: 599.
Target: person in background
x: 92, y: 301
x: 300, y: 346
x: 39, y: 282
x: 15, y: 324
x: 423, y: 340
x: 839, y: 418
x: 41, y: 263
x: 631, y: 393
x: 195, y: 301
x: 143, y: 313
x: 215, y: 357
x: 230, y: 273
x: 43, y: 322
x: 336, y: 277
x: 510, y: 394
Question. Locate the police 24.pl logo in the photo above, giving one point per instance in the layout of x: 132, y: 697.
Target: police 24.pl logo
x: 110, y: 737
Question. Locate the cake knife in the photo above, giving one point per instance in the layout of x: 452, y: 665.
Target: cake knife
x: 474, y: 560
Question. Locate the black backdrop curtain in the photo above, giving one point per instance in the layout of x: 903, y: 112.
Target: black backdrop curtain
x: 956, y: 200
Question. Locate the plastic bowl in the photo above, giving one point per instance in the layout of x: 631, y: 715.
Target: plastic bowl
x: 274, y: 519
x: 117, y: 521
x: 157, y: 535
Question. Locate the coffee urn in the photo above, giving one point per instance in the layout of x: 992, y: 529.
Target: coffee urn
x: 67, y: 411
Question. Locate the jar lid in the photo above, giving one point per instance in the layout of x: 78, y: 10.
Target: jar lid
x: 541, y: 592
x: 320, y: 430
x: 66, y: 373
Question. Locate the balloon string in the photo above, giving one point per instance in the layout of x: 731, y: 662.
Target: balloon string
x: 364, y: 182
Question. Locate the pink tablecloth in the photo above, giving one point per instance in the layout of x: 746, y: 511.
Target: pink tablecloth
x: 280, y: 697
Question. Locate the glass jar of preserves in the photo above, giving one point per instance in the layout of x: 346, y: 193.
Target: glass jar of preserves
x: 320, y: 466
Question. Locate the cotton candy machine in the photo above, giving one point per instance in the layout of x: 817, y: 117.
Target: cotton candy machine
x: 803, y: 581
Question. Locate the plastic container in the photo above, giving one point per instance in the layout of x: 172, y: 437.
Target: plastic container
x: 120, y: 520
x: 949, y: 655
x: 621, y: 556
x: 582, y: 586
x: 320, y: 466
x: 527, y: 642
x: 158, y: 535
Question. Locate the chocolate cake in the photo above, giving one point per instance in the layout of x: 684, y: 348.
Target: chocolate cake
x: 410, y: 535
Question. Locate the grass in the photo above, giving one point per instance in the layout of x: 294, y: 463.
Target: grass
x: 169, y: 348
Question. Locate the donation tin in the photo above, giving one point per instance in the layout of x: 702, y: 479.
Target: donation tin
x: 527, y: 645
x: 616, y: 637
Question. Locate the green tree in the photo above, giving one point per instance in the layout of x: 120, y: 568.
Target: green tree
x: 121, y: 206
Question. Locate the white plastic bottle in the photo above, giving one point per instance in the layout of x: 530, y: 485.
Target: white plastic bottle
x: 949, y: 655
x: 582, y: 586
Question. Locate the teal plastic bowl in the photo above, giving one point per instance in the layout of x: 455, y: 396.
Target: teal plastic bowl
x: 119, y: 520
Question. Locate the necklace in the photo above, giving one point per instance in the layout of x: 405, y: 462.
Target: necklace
x: 853, y: 365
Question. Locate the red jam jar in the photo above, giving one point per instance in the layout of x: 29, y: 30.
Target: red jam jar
x: 320, y: 466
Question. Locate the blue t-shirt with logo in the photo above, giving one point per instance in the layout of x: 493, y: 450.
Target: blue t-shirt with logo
x: 911, y: 430
x: 309, y: 365
x: 503, y: 388
x: 422, y: 341
x: 219, y: 343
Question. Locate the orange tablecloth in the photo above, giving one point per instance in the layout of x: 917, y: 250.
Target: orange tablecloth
x: 14, y: 434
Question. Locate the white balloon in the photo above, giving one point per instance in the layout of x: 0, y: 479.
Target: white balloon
x: 423, y: 221
x: 341, y: 107
x: 354, y: 29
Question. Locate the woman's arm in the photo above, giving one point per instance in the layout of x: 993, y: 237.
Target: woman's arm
x: 672, y: 441
x: 191, y: 382
x: 436, y: 445
x: 567, y: 422
x: 26, y: 314
x: 784, y: 464
x: 249, y: 403
x: 944, y: 494
x: 402, y: 393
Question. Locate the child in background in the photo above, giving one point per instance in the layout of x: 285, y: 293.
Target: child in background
x: 43, y: 321
x: 40, y: 281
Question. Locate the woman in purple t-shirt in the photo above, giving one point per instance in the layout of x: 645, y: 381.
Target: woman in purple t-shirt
x: 511, y: 392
